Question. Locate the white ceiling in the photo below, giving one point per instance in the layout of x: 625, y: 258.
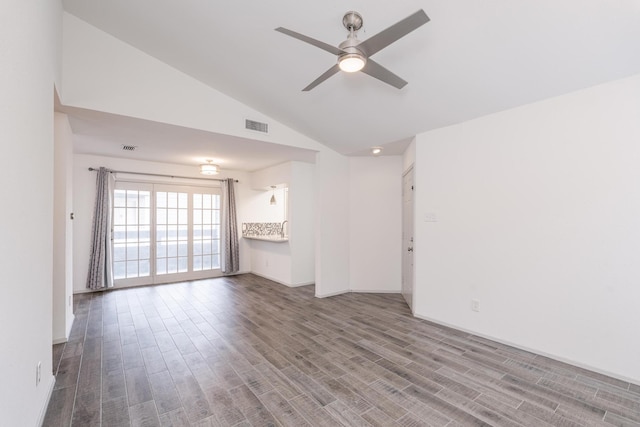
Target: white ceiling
x: 104, y: 134
x: 472, y: 59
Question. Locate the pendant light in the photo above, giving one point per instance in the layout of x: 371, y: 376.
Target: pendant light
x: 273, y: 196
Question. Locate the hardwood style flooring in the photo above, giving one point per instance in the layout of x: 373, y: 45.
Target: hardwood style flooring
x: 244, y: 351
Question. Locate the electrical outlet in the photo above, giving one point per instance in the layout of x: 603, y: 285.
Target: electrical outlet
x: 475, y: 305
x: 38, y: 372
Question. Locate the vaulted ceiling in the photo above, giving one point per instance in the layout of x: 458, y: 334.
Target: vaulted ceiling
x: 472, y: 59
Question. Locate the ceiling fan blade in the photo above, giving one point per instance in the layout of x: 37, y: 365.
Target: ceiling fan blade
x: 330, y: 72
x: 307, y: 39
x: 398, y: 30
x: 379, y: 72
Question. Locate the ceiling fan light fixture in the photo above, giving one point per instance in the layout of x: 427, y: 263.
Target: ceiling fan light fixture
x: 209, y: 168
x: 351, y: 62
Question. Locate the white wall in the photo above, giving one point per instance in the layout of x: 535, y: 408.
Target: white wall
x: 103, y: 73
x: 290, y: 263
x: 271, y: 260
x: 29, y: 32
x: 261, y: 209
x: 301, y: 224
x: 274, y: 175
x: 538, y: 219
x: 332, y: 223
x: 375, y: 227
x: 62, y: 229
x: 84, y: 183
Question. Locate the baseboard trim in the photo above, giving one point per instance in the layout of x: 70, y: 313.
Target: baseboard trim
x: 332, y: 294
x: 373, y: 291
x: 115, y: 288
x: 73, y: 319
x: 297, y: 285
x: 289, y: 285
x: 357, y: 291
x: 535, y: 351
x: 43, y: 410
x: 67, y: 333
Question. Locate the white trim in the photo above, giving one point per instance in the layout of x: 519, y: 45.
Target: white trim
x: 297, y: 285
x: 237, y: 273
x: 289, y: 285
x: 115, y: 288
x: 181, y: 181
x: 533, y: 350
x: 87, y: 291
x: 408, y: 169
x: 70, y: 325
x: 67, y: 333
x: 43, y: 410
x: 373, y: 291
x: 332, y: 294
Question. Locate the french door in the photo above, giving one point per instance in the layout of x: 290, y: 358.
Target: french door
x: 165, y: 233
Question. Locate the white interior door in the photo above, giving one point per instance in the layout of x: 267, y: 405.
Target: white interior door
x: 407, y: 237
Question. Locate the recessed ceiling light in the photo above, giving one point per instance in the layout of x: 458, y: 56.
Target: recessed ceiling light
x: 376, y: 150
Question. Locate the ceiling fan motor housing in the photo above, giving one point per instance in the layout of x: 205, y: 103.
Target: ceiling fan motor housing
x: 350, y: 46
x: 352, y: 21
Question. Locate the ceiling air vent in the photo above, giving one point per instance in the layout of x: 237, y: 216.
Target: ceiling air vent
x: 256, y: 126
x: 129, y: 147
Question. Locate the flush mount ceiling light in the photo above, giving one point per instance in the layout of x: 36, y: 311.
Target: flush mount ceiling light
x: 376, y: 150
x: 273, y: 196
x: 209, y: 168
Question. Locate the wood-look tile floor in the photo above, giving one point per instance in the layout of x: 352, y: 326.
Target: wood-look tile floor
x: 244, y: 351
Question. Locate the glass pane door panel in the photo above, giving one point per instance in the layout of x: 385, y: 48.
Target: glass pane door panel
x: 206, y: 231
x: 131, y: 239
x: 171, y: 232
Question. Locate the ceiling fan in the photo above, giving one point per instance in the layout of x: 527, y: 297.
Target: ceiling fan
x: 354, y: 55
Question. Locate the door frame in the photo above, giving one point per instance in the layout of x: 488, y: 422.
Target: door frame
x: 408, y: 271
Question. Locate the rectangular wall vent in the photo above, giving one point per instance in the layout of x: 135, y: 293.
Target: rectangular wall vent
x: 129, y: 147
x: 256, y: 126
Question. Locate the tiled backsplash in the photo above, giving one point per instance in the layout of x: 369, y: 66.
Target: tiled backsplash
x: 261, y: 229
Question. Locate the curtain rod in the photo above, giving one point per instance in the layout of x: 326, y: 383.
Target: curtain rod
x: 164, y: 175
